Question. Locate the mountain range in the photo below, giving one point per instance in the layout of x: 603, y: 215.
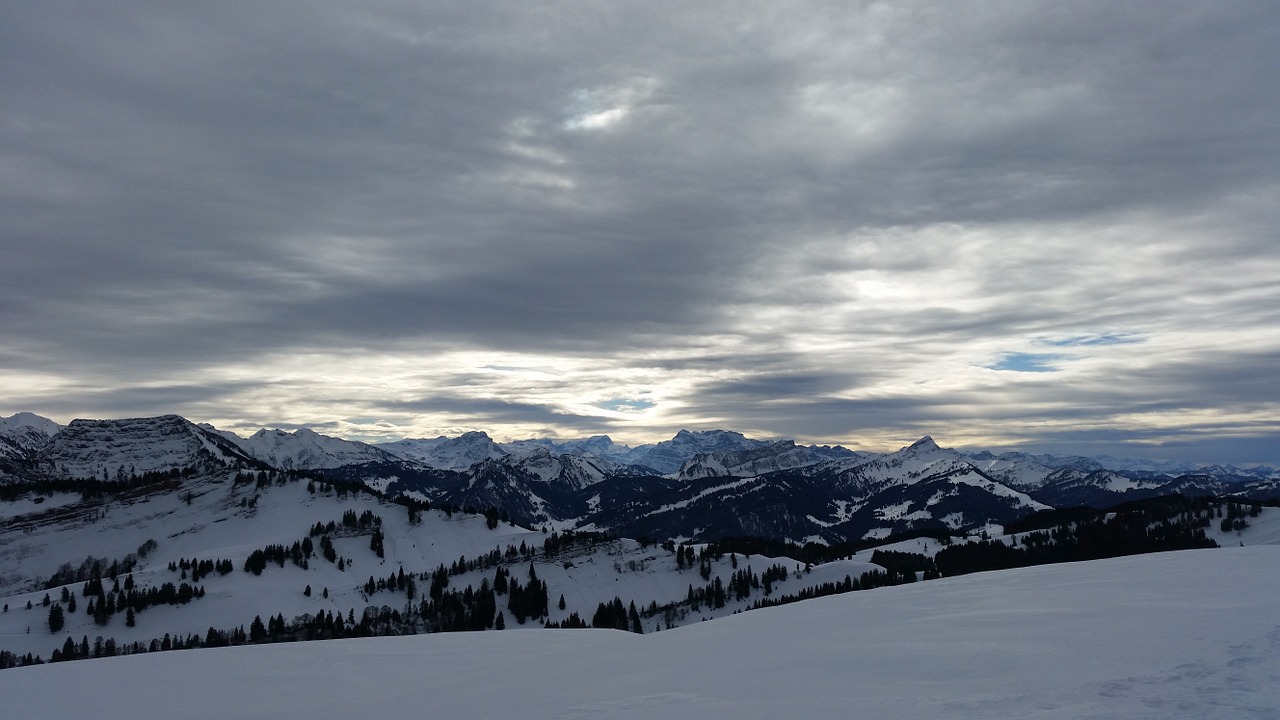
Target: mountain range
x: 696, y: 486
x: 149, y: 534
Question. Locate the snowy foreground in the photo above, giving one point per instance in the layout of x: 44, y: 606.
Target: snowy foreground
x: 1192, y: 634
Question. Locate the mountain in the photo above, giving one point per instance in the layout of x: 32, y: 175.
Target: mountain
x: 447, y: 453
x: 266, y: 544
x: 533, y: 487
x: 600, y: 446
x: 307, y: 450
x: 839, y: 500
x: 758, y: 460
x: 235, y: 552
x: 23, y: 434
x: 117, y: 449
x: 669, y: 455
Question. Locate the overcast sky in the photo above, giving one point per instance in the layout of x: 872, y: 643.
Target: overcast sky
x: 1052, y: 226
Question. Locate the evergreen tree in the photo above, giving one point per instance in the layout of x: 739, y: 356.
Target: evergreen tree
x: 257, y: 631
x: 634, y: 617
x: 56, y: 618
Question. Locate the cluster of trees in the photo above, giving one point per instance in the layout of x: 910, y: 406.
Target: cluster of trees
x: 613, y: 615
x: 866, y: 581
x: 905, y: 562
x: 129, y: 599
x: 13, y: 660
x: 302, y: 550
x: 493, y: 558
x: 202, y: 568
x: 529, y: 600
x: 298, y: 554
x: 563, y: 542
x: 1158, y: 524
x: 366, y: 520
x: 492, y: 516
x: 574, y: 621
x: 397, y: 581
x: 123, y: 482
x: 98, y: 567
x: 262, y: 478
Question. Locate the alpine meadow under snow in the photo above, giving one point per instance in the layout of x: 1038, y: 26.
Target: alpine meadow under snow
x: 1175, y: 635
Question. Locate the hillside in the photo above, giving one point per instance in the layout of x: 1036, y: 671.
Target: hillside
x: 1174, y: 635
x: 165, y: 533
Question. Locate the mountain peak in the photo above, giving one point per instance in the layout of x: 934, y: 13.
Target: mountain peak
x: 924, y: 443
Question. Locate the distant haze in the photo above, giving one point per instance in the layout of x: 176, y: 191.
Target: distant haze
x: 1034, y: 225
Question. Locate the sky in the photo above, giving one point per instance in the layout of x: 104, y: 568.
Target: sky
x: 1037, y: 225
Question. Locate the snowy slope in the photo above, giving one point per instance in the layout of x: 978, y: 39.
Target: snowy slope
x: 1168, y: 636
x: 230, y: 520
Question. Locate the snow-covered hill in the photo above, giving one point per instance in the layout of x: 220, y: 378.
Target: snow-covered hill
x: 229, y: 516
x: 1173, y: 636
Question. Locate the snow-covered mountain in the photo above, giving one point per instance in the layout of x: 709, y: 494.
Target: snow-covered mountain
x: 669, y: 455
x: 837, y: 500
x: 723, y: 483
x: 118, y: 449
x: 317, y: 555
x: 599, y: 446
x: 24, y: 434
x: 779, y: 455
x: 446, y: 453
x: 307, y: 450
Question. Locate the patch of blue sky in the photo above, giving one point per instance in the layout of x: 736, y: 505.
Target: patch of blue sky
x: 1092, y: 340
x: 624, y: 405
x: 1028, y: 362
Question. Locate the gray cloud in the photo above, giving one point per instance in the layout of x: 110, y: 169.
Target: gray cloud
x: 827, y: 207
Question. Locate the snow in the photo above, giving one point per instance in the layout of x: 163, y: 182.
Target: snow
x: 997, y: 489
x: 447, y: 453
x: 305, y: 449
x: 215, y: 526
x: 1192, y: 634
x: 32, y: 504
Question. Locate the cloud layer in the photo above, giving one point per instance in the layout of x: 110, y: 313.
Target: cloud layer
x: 840, y: 222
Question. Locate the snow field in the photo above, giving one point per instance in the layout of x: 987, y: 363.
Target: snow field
x: 1191, y: 634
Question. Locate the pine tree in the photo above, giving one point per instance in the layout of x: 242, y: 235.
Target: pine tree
x: 56, y: 618
x: 257, y: 631
x: 634, y: 617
